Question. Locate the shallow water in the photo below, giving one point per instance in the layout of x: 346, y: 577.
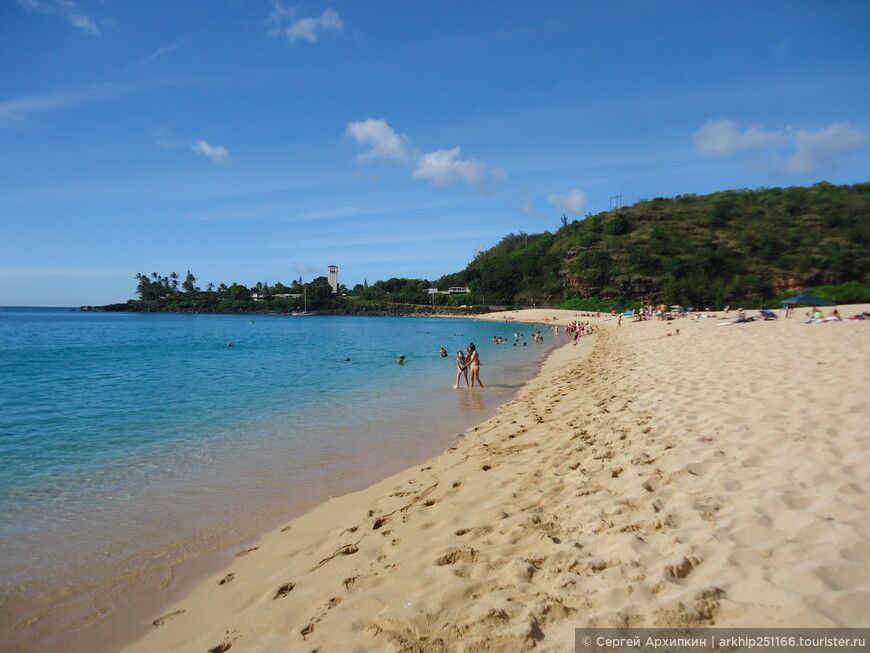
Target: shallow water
x: 130, y: 442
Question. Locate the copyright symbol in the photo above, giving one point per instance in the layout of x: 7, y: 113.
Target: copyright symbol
x: 587, y: 641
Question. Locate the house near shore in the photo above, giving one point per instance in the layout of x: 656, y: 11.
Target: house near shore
x: 453, y: 290
x: 261, y: 297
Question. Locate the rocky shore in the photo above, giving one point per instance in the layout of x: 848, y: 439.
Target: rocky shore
x: 391, y: 310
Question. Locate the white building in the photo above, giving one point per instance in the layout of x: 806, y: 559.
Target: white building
x: 453, y: 290
x: 333, y: 278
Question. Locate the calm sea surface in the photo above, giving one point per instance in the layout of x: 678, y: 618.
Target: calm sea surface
x: 130, y: 442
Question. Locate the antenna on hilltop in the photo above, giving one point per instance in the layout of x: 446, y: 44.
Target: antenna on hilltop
x: 618, y: 199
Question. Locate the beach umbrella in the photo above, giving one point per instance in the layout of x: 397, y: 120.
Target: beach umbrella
x: 807, y: 299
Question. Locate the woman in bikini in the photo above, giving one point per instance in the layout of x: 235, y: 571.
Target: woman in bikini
x: 474, y: 365
x: 461, y: 369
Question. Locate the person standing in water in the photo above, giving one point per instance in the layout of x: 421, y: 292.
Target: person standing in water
x: 461, y: 369
x: 474, y: 365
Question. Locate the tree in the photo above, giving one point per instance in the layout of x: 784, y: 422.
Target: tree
x: 239, y: 293
x: 189, y: 285
x: 147, y: 289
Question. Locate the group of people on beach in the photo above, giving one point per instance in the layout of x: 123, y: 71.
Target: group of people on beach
x: 577, y: 329
x: 468, y: 361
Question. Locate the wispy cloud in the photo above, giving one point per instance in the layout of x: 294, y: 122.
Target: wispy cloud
x: 443, y: 168
x: 572, y: 203
x: 217, y: 153
x: 303, y: 268
x: 166, y: 49
x: 813, y: 149
x: 21, y: 110
x: 724, y: 137
x: 287, y: 22
x: 525, y: 206
x: 165, y: 141
x: 66, y: 9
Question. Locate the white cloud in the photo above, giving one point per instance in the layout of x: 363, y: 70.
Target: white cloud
x: 723, y: 138
x: 442, y: 168
x: 814, y: 149
x: 305, y: 29
x: 573, y: 202
x: 217, y: 153
x: 85, y: 23
x: 65, y: 8
x: 384, y: 142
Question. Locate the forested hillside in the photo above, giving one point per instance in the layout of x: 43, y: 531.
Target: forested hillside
x: 727, y: 247
x: 731, y: 247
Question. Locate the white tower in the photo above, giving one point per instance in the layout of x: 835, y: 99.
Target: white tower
x: 333, y: 278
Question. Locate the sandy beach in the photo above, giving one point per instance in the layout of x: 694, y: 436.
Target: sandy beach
x: 715, y: 478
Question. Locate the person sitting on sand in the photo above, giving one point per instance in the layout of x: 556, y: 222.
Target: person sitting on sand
x: 461, y: 369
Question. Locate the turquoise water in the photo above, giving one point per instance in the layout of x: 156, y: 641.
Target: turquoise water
x: 133, y: 441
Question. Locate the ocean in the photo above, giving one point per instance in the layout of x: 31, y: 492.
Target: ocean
x: 131, y: 442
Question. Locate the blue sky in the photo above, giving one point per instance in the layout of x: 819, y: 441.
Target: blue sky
x: 257, y: 140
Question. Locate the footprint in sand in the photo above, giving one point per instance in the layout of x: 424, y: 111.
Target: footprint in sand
x: 229, y: 578
x: 284, y: 590
x: 477, y: 530
x: 162, y: 620
x: 458, y: 555
x: 683, y: 569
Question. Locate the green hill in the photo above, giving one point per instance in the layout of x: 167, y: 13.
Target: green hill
x: 728, y: 247
x: 731, y: 247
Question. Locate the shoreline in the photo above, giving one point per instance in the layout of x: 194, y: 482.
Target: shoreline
x: 78, y: 624
x: 647, y: 481
x: 308, y: 528
x: 344, y: 565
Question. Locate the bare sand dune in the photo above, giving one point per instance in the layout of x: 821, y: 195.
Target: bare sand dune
x: 715, y: 478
